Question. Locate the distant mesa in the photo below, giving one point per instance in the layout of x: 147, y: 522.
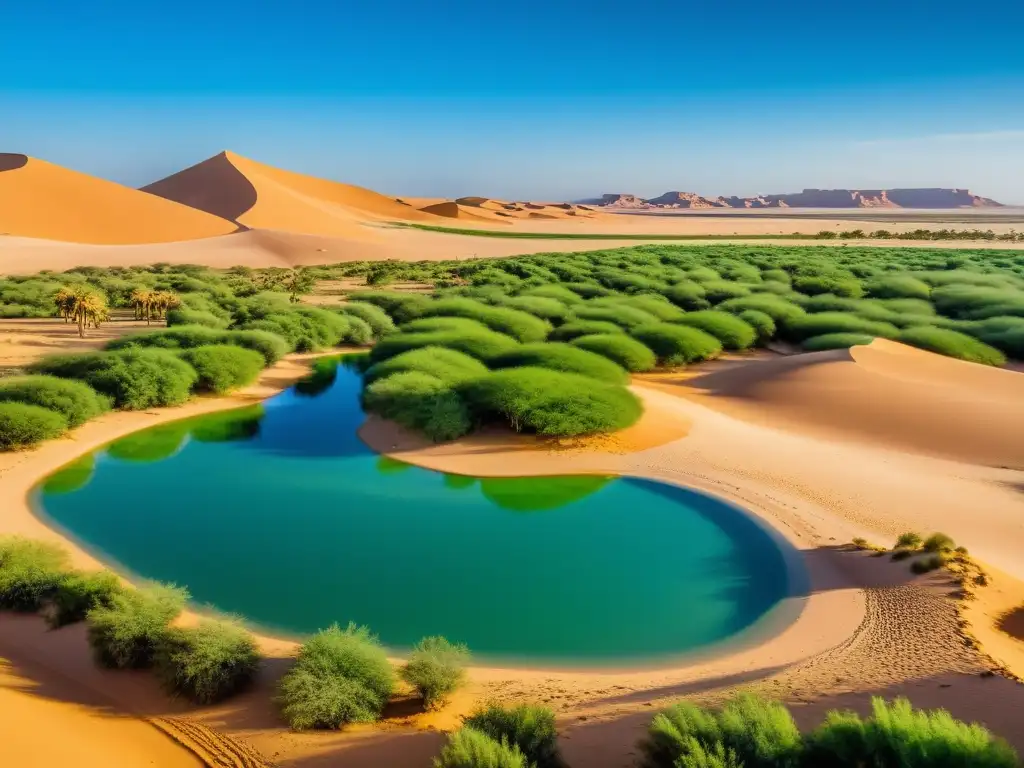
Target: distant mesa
x: 809, y: 198
x: 45, y: 201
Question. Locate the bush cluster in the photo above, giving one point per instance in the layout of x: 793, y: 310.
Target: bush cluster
x: 527, y: 728
x: 419, y: 401
x: 222, y: 367
x: 208, y: 662
x: 125, y: 632
x: 627, y: 352
x: 563, y: 357
x: 76, y: 401
x: 23, y: 425
x: 677, y: 345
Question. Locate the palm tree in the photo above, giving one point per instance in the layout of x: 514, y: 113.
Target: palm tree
x: 82, y: 306
x: 142, y: 302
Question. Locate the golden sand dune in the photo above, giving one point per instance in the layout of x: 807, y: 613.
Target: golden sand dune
x: 885, y: 393
x: 258, y: 196
x: 453, y: 210
x: 42, y: 200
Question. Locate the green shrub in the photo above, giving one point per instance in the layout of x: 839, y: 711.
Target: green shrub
x: 621, y: 349
x: 77, y: 402
x: 223, y: 367
x: 757, y: 733
x: 717, y: 291
x: 927, y: 564
x: 340, y: 676
x: 179, y: 337
x: 938, y: 542
x: 551, y: 402
x: 908, y: 540
x: 588, y: 290
x: 835, y: 341
x: 448, y: 365
x: 133, y: 378
x: 124, y: 633
x: 307, y: 329
x: 576, y: 328
x: 822, y: 323
x: 898, y: 735
x: 952, y: 344
x: 511, y: 322
x: 272, y: 346
x: 469, y: 748
x: 529, y: 728
x: 777, y: 308
x: 558, y: 356
x: 552, y: 310
x: 400, y: 307
x: 23, y: 425
x: 421, y: 402
x: 898, y: 287
x: 184, y: 316
x: 655, y: 305
x: 812, y: 285
x: 553, y: 291
x: 763, y: 324
x: 619, y: 314
x: 378, y: 320
x: 78, y: 593
x: 359, y: 332
x: 436, y: 669
x: 733, y: 332
x: 444, y: 325
x: 688, y: 295
x: 676, y: 344
x: 208, y: 662
x: 30, y: 572
x: 483, y: 345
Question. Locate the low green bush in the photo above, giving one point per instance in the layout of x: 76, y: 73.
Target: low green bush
x: 835, y: 341
x: 938, y: 542
x: 619, y: 314
x: 185, y: 316
x: 400, y: 307
x: 897, y: 287
x: 23, y: 425
x: 78, y: 402
x: 552, y: 403
x: 576, y: 328
x: 307, y: 329
x: 676, y: 344
x: 124, y: 633
x: 30, y: 572
x: 483, y: 345
x: 443, y: 325
x: 448, y: 365
x: 733, y: 332
x: 762, y: 323
x: 553, y: 291
x: 898, y: 735
x: 78, y: 593
x: 619, y: 348
x: 419, y: 401
x: 952, y: 344
x: 469, y: 748
x: 552, y: 310
x: 717, y: 291
x: 759, y: 733
x: 908, y: 540
x: 780, y: 310
x: 529, y: 728
x: 270, y: 345
x: 436, y: 669
x: 223, y: 367
x: 653, y: 304
x: 208, y: 662
x: 379, y: 321
x: 927, y: 564
x: 690, y: 296
x: 133, y: 378
x: 359, y: 333
x: 822, y: 323
x: 340, y: 676
x: 559, y: 356
x: 178, y: 337
x: 521, y: 326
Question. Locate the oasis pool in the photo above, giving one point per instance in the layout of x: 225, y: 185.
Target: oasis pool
x: 279, y: 513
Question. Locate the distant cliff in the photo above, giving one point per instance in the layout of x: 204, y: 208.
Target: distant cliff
x: 809, y: 198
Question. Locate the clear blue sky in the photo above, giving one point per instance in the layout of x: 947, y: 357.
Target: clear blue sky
x: 521, y: 99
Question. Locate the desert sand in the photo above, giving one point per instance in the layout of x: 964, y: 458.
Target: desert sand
x: 865, y: 627
x: 41, y: 200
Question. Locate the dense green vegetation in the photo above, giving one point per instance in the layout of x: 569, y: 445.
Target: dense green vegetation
x: 755, y: 733
x: 23, y: 425
x: 76, y: 401
x: 340, y: 676
x: 469, y: 748
x: 436, y: 669
x: 526, y: 727
x: 628, y: 309
x: 124, y: 633
x: 208, y: 662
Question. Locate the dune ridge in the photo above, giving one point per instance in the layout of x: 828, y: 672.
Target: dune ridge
x: 258, y: 196
x: 883, y: 392
x: 42, y: 200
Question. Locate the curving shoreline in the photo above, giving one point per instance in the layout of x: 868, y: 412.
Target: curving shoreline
x: 682, y: 443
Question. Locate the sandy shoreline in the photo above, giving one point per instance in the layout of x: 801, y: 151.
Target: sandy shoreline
x: 827, y: 655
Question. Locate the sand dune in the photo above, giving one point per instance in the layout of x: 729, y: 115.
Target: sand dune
x: 453, y: 210
x: 259, y: 196
x: 885, y: 393
x: 42, y: 200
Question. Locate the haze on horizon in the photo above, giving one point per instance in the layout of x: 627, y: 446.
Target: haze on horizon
x: 470, y: 98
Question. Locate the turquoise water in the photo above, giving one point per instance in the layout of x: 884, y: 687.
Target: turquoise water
x: 280, y: 514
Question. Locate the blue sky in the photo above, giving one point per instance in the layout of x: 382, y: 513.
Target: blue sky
x: 556, y: 100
